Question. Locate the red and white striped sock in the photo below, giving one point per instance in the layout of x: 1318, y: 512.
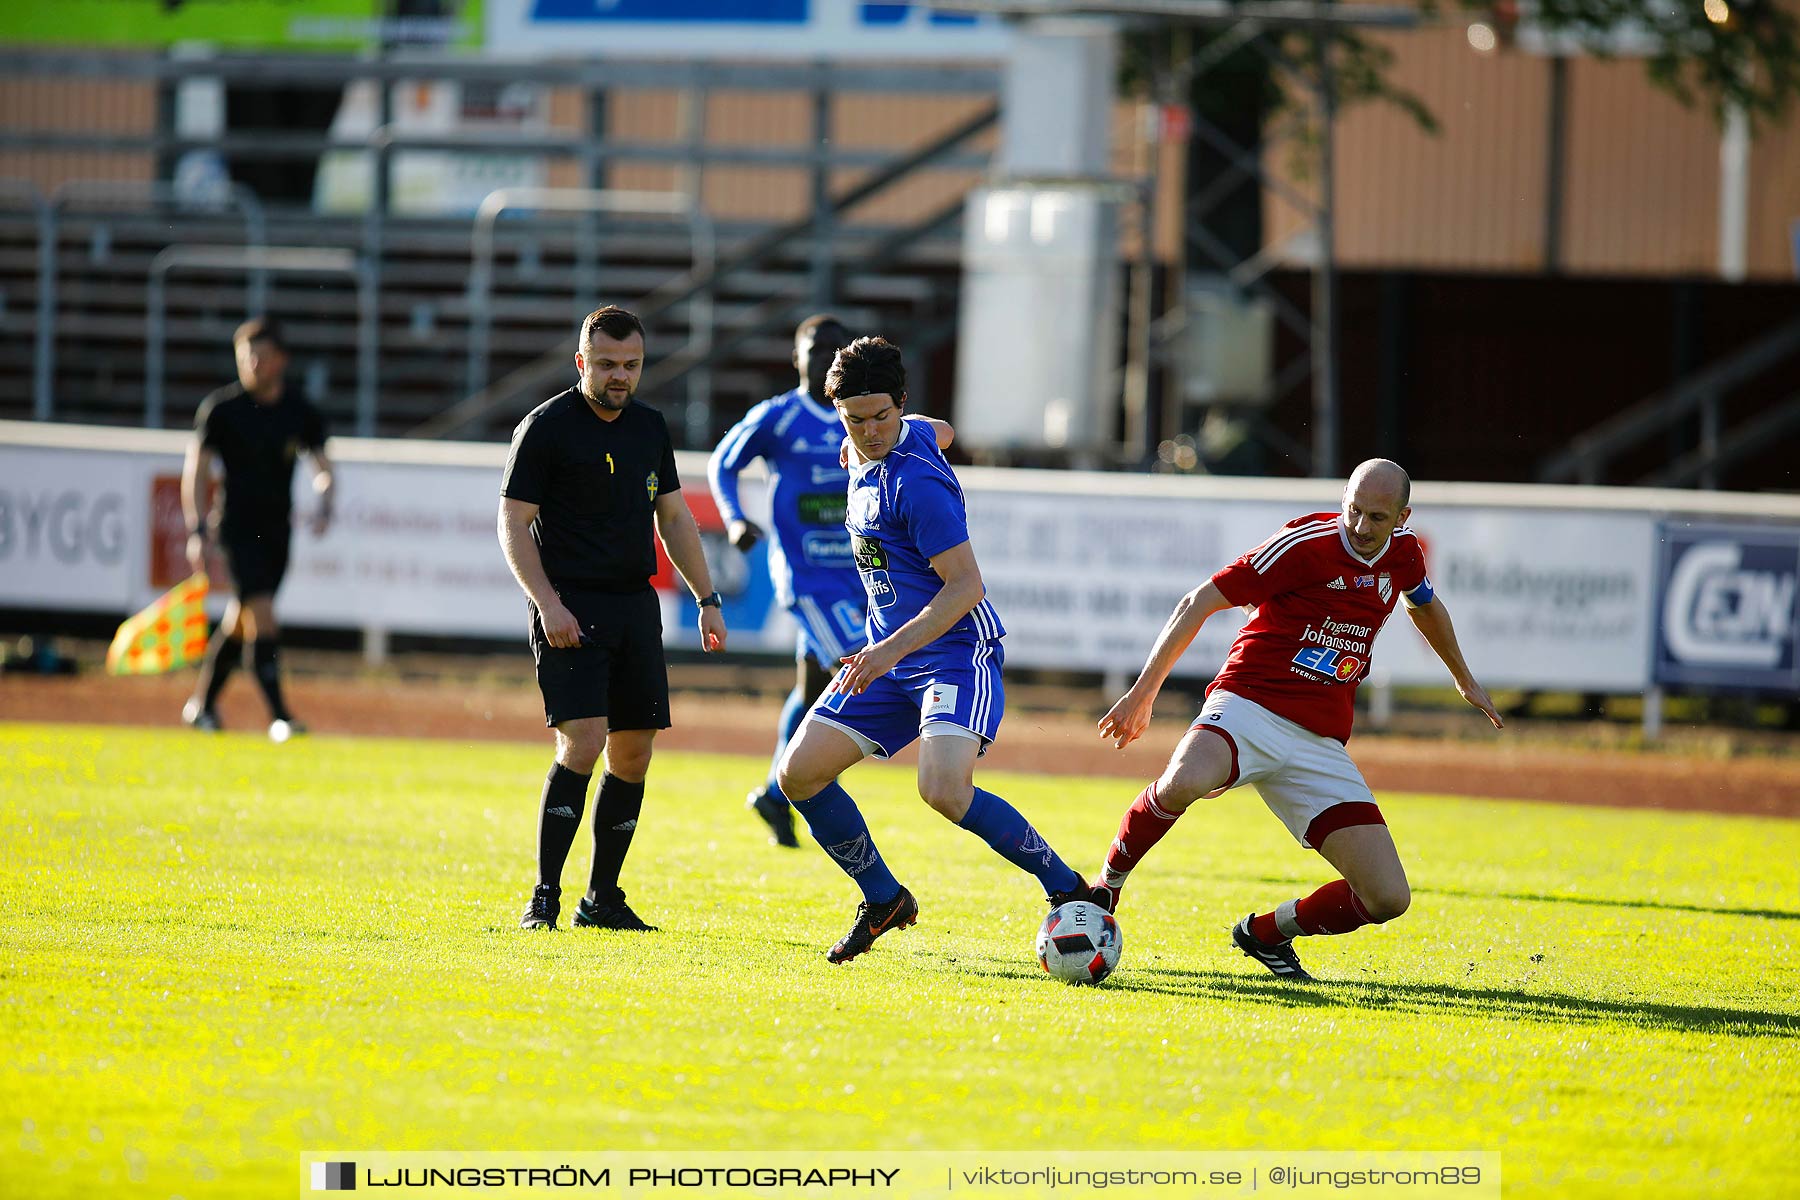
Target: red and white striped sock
x: 1142, y: 827
x: 1334, y: 908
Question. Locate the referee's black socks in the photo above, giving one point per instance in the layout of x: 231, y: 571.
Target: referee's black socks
x: 223, y: 653
x: 616, y: 811
x: 565, y: 796
x: 265, y: 662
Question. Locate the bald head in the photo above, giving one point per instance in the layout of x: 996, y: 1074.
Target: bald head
x: 1382, y: 477
x: 1376, y: 501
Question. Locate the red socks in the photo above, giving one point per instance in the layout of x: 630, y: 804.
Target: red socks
x: 1334, y: 908
x: 1142, y: 827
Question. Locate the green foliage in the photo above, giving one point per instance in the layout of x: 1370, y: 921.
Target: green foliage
x: 218, y: 953
x: 1750, y: 60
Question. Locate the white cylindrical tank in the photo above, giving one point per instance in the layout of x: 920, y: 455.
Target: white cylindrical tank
x: 1039, y: 324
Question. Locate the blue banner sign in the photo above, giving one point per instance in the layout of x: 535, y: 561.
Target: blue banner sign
x: 744, y: 12
x: 743, y: 29
x: 1726, y: 611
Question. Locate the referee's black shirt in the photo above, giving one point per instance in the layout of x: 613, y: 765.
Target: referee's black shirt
x: 595, y: 483
x: 257, y: 444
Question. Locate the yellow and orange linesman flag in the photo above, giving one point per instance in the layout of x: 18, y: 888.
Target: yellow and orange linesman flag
x: 170, y: 633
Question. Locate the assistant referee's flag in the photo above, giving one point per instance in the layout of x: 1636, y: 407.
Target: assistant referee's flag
x: 170, y: 633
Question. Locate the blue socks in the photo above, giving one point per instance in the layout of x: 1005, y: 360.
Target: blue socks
x: 1004, y: 828
x: 792, y: 713
x: 838, y: 825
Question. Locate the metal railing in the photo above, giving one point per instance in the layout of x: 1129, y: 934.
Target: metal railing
x: 538, y: 373
x: 49, y: 235
x: 296, y: 259
x: 44, y: 349
x: 1588, y: 455
x: 409, y: 260
x: 1704, y: 463
x: 703, y: 253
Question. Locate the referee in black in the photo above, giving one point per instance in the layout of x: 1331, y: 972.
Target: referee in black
x: 591, y: 472
x: 255, y: 429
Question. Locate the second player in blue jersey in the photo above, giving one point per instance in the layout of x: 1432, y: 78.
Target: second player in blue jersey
x: 797, y: 436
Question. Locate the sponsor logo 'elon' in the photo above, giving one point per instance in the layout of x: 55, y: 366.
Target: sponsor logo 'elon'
x: 1334, y: 664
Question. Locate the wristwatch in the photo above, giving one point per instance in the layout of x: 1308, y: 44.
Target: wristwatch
x: 712, y: 601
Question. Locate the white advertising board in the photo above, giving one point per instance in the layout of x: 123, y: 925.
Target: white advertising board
x: 1085, y: 582
x: 1539, y: 599
x: 413, y: 549
x: 90, y: 522
x: 1549, y: 588
x: 75, y: 525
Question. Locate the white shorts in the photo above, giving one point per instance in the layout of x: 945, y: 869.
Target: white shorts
x: 1305, y: 779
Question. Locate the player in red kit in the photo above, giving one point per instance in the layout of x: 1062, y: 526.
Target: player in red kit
x: 1280, y: 711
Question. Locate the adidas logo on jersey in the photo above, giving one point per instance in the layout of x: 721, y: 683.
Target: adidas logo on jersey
x: 1338, y: 585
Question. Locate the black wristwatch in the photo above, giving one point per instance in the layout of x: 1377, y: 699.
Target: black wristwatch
x: 712, y: 601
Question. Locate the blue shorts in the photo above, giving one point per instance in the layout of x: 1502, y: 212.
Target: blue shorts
x: 830, y: 629
x: 957, y: 686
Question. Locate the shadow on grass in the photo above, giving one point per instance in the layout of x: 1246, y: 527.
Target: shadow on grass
x: 1770, y: 914
x: 1449, y: 1000
x: 1439, y: 999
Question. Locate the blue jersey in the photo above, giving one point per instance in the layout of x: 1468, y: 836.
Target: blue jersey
x: 798, y: 440
x: 904, y: 510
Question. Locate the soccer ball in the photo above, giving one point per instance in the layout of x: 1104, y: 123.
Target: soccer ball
x: 1079, y: 942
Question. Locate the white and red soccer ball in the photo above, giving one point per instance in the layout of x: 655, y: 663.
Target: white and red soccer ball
x: 1079, y: 942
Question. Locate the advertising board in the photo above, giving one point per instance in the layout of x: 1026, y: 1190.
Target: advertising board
x: 1725, y: 607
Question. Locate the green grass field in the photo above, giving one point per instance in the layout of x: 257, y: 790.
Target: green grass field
x: 219, y: 953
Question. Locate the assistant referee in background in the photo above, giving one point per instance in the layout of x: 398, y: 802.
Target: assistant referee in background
x: 590, y: 474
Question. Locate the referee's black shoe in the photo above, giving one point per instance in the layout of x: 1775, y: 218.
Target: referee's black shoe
x: 611, y: 913
x: 873, y: 920
x: 545, y: 907
x: 1280, y: 958
x: 776, y: 813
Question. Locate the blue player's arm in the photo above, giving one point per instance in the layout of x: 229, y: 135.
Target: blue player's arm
x: 741, y: 445
x: 961, y: 592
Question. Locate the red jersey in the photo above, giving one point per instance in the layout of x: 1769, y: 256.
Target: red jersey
x: 1318, y: 609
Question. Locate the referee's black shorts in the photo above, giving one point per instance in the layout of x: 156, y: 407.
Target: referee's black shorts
x: 617, y: 672
x: 257, y: 561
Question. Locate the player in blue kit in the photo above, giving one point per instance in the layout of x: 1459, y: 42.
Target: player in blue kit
x: 798, y: 436
x: 931, y: 670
